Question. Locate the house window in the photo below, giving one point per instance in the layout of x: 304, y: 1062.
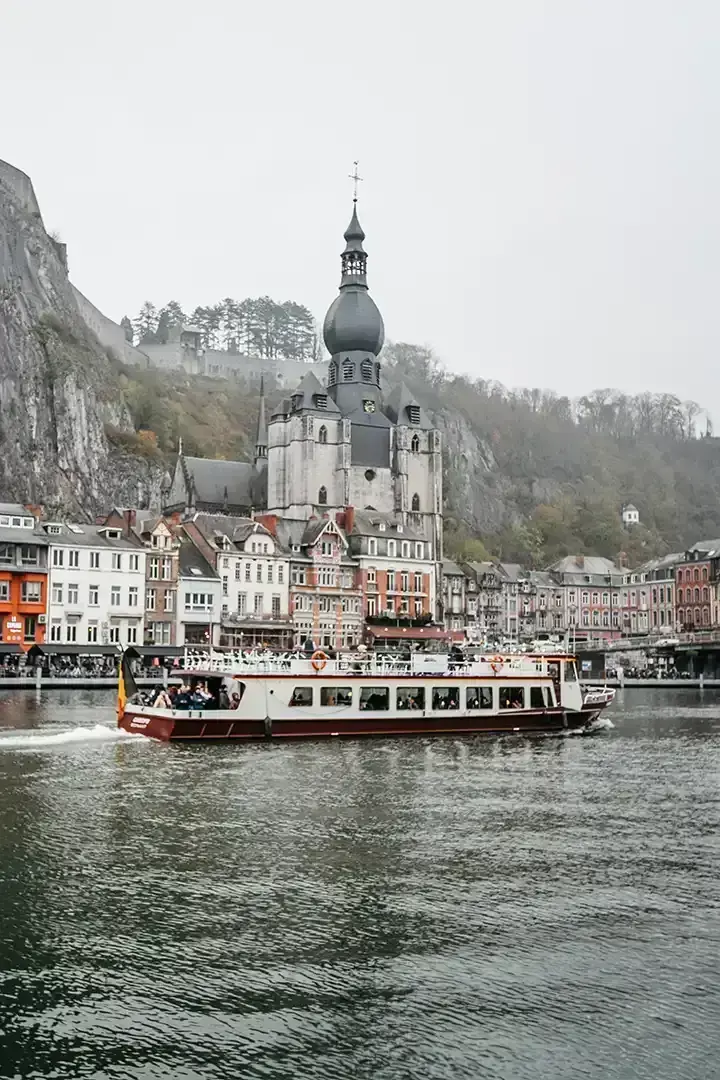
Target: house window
x: 248, y: 569
x: 403, y: 582
x: 57, y: 593
x: 322, y: 434
x: 258, y: 573
x: 372, y: 546
x: 276, y: 606
x: 258, y: 603
x: 58, y: 557
x: 270, y: 573
x: 416, y: 502
x: 116, y: 561
x: 391, y: 581
x: 30, y: 627
x: 56, y: 630
x: 133, y: 596
x: 92, y: 633
x: 4, y: 590
x: 115, y: 596
x: 237, y: 571
x: 132, y: 634
x: 94, y: 560
x: 418, y: 583
x: 150, y: 600
x: 74, y: 559
x: 596, y: 598
x: 405, y: 548
x: 154, y: 569
x: 326, y: 547
x: 166, y: 568
x: 242, y: 603
x: 585, y: 598
x: 73, y: 595
x: 371, y: 606
x: 71, y: 633
x: 198, y: 601
x: 281, y: 573
x: 322, y: 496
x: 31, y: 592
x: 392, y: 548
x: 114, y: 635
x: 419, y: 553
x: 94, y: 596
x: 371, y: 577
x: 225, y: 585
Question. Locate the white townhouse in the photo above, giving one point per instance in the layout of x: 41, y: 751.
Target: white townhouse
x: 199, y: 593
x: 96, y: 592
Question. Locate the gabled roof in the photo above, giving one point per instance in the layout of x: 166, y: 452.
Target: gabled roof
x: 367, y: 523
x: 586, y: 564
x: 236, y: 529
x: 220, y: 482
x: 397, y: 404
x: 310, y: 387
x: 707, y: 547
x: 192, y: 563
x: 451, y: 569
x: 316, y: 527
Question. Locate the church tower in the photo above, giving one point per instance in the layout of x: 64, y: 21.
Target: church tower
x: 345, y: 444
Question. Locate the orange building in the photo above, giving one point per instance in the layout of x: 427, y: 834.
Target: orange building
x: 23, y: 577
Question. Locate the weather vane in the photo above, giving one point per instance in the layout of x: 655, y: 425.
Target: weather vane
x: 356, y: 178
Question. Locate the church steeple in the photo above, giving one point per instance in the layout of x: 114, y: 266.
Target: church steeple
x: 261, y: 437
x: 353, y: 323
x: 354, y: 258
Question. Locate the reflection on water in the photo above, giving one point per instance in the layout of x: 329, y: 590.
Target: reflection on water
x: 461, y: 908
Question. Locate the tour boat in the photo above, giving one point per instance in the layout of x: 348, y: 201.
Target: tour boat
x: 285, y: 697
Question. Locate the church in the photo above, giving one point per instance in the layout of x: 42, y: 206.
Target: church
x: 345, y: 451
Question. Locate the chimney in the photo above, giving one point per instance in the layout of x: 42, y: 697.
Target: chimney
x: 580, y: 561
x: 269, y: 521
x: 129, y: 516
x: 349, y: 519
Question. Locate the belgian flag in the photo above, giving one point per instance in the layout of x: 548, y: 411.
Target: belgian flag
x: 126, y: 685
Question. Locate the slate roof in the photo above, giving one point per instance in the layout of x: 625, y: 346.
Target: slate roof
x: 212, y: 478
x: 451, y: 569
x: 92, y: 536
x: 367, y: 523
x: 397, y: 404
x: 14, y: 510
x: 590, y: 564
x: 237, y: 529
x: 9, y: 535
x: 190, y: 559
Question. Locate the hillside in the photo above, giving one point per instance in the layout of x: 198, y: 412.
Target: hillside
x: 533, y: 475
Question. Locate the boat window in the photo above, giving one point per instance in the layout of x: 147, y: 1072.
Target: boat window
x: 302, y: 695
x: 479, y: 697
x: 411, y: 697
x: 537, y: 697
x: 446, y: 697
x: 375, y: 698
x: 336, y: 695
x: 512, y: 697
x: 570, y: 672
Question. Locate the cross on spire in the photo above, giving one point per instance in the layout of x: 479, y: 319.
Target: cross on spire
x: 356, y: 178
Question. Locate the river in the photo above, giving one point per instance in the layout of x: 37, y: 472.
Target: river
x: 396, y: 910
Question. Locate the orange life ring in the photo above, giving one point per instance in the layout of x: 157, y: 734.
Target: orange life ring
x: 319, y: 659
x: 496, y: 663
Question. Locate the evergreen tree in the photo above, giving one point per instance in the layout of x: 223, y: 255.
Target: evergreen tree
x: 145, y: 324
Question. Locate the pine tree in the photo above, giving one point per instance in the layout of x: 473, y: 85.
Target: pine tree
x: 146, y: 323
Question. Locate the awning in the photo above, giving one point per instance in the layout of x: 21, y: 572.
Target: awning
x: 74, y: 650
x: 409, y: 633
x: 6, y: 649
x: 155, y: 650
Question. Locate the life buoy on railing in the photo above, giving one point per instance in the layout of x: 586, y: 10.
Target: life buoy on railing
x: 319, y: 659
x: 497, y: 663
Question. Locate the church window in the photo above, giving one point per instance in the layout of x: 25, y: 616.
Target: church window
x: 348, y: 370
x: 322, y: 434
x: 321, y: 401
x: 416, y: 502
x: 322, y: 496
x: 415, y: 444
x: 332, y: 374
x: 414, y: 414
x: 369, y: 474
x: 366, y: 370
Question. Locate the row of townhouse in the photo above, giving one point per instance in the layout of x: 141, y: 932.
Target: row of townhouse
x: 137, y: 579
x: 581, y: 596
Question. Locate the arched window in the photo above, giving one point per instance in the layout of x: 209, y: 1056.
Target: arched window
x: 704, y: 573
x: 366, y: 369
x: 679, y: 596
x: 697, y: 615
x: 322, y: 434
x: 706, y: 616
x: 416, y: 502
x: 415, y: 444
x: 348, y: 369
x: 322, y: 496
x: 332, y: 373
x: 697, y: 596
x: 680, y: 576
x: 696, y: 574
x: 706, y: 594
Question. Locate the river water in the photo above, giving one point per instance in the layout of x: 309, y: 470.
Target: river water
x: 394, y: 910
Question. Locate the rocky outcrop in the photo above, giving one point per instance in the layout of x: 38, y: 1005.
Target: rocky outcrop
x: 58, y: 388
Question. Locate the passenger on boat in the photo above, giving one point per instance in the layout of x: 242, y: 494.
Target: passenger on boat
x: 235, y: 700
x: 223, y: 699
x: 162, y: 701
x: 182, y: 698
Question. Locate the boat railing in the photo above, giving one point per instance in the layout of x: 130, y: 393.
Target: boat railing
x: 237, y: 663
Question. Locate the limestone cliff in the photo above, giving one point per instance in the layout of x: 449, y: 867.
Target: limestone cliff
x: 58, y: 389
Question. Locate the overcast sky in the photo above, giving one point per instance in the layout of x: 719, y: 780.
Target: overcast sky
x: 541, y: 183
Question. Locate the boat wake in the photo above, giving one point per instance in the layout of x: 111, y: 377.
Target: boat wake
x: 97, y: 734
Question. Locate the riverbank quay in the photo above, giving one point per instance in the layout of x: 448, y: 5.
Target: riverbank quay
x: 699, y: 683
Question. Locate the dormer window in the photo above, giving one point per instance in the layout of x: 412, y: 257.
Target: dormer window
x: 399, y: 528
x: 414, y: 414
x: 321, y: 401
x: 348, y: 370
x: 381, y: 526
x: 54, y: 529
